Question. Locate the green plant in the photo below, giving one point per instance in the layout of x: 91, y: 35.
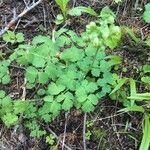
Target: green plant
x: 132, y: 34
x: 35, y: 129
x: 76, y: 11
x: 146, y: 136
x: 88, y: 135
x: 11, y: 37
x: 145, y: 97
x: 137, y: 41
x: 89, y: 124
x: 120, y: 90
x: 146, y: 14
x: 66, y: 71
x: 145, y: 78
x: 106, y: 32
x: 10, y: 110
x: 120, y: 85
x: 50, y: 139
x: 4, y: 72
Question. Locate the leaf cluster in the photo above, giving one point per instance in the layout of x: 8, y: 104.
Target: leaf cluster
x: 10, y: 110
x: 11, y: 37
x: 4, y: 72
x: 103, y: 33
x: 65, y: 71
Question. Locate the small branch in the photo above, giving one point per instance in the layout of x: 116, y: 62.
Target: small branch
x: 23, y: 97
x: 3, y: 45
x: 136, y: 5
x: 16, y: 18
x: 54, y: 134
x: 26, y: 4
x: 111, y: 116
x: 64, y: 137
x: 84, y: 132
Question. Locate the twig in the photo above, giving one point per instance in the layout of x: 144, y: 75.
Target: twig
x: 16, y: 18
x: 64, y: 137
x: 99, y: 144
x: 33, y: 20
x: 1, y: 2
x: 26, y: 4
x: 23, y: 97
x: 44, y: 15
x: 18, y: 67
x: 111, y: 116
x: 3, y: 45
x: 117, y: 134
x: 136, y: 4
x: 84, y: 130
x: 54, y: 134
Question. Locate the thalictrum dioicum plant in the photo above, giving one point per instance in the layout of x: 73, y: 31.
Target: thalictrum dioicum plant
x: 65, y: 71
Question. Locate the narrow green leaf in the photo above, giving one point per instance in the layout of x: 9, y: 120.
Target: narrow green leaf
x: 146, y: 134
x: 141, y: 96
x: 119, y: 85
x: 131, y: 34
x: 132, y: 87
x: 133, y: 108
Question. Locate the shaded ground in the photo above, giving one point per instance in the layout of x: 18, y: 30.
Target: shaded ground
x: 110, y: 130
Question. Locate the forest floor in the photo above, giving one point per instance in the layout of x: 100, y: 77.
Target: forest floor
x: 110, y: 130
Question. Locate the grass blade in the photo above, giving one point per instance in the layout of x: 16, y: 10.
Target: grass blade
x: 119, y: 85
x: 146, y: 134
x: 141, y: 96
x: 133, y: 108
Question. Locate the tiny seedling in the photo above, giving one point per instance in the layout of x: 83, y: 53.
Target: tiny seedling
x: 11, y: 37
x: 88, y: 135
x: 50, y: 139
